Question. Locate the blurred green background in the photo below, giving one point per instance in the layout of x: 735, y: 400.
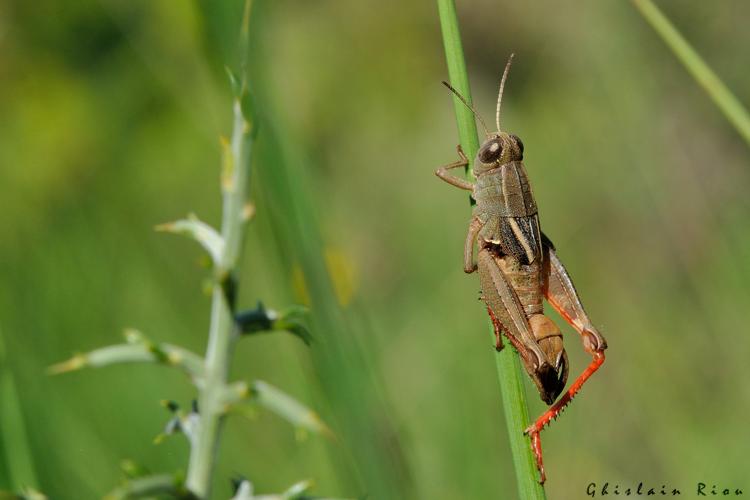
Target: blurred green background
x: 110, y: 114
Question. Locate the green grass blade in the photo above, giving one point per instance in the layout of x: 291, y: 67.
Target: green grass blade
x: 454, y: 55
x: 357, y: 407
x: 508, y: 367
x: 18, y: 457
x: 517, y: 419
x: 732, y: 108
x: 358, y: 411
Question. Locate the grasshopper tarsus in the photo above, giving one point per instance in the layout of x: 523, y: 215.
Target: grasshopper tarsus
x: 518, y: 266
x: 461, y: 153
x: 498, y: 331
x: 536, y: 446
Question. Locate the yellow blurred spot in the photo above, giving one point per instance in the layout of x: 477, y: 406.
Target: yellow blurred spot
x: 340, y: 270
x: 75, y: 363
x: 342, y: 273
x: 174, y: 358
x: 315, y: 423
x: 300, y: 434
x: 227, y: 164
x: 248, y: 211
x: 133, y: 336
x: 207, y: 287
x: 166, y: 227
x: 299, y: 286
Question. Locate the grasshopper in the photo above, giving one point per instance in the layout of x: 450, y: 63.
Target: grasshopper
x: 517, y: 266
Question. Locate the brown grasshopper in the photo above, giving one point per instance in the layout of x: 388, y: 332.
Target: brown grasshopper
x: 518, y: 265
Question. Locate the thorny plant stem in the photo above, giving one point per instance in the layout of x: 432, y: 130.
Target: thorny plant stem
x: 508, y: 367
x: 212, y: 392
x: 732, y: 108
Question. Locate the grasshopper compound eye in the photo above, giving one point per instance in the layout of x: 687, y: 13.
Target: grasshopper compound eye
x: 491, y: 151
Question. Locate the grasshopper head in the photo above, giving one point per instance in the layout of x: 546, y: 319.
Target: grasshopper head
x: 497, y: 150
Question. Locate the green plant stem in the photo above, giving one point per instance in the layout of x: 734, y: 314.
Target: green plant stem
x: 732, y: 108
x: 508, y: 367
x: 222, y: 332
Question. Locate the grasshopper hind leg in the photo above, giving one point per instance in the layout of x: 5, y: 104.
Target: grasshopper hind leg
x: 554, y: 411
x: 563, y: 297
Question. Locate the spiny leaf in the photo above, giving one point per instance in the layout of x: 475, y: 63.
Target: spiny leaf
x: 260, y: 320
x: 234, y: 83
x: 142, y: 351
x: 297, y: 489
x: 180, y: 423
x: 26, y: 494
x: 287, y: 407
x: 198, y: 230
x: 132, y: 469
x: 150, y: 486
x: 243, y: 490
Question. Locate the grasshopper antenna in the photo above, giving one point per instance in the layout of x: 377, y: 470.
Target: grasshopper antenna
x: 466, y: 103
x: 500, y: 93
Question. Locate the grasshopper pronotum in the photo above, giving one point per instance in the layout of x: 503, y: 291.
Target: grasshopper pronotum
x: 518, y: 265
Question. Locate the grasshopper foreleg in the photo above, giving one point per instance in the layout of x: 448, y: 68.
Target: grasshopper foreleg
x: 442, y: 172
